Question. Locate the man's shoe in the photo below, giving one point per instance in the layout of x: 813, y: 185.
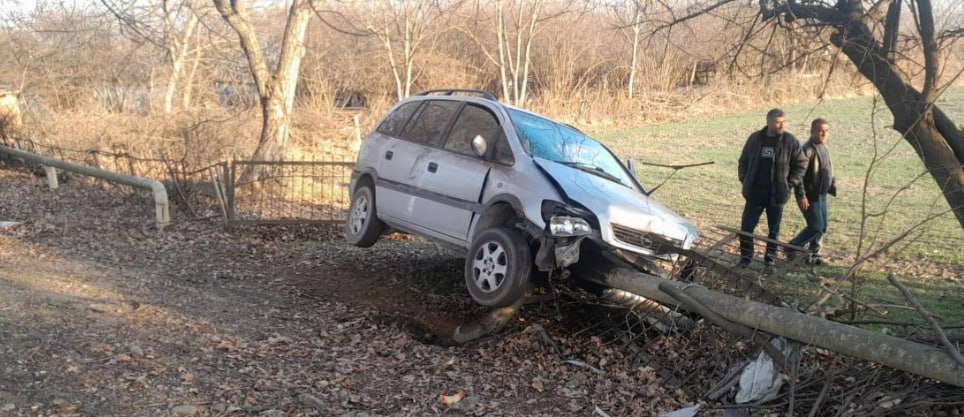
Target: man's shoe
x: 791, y: 256
x: 768, y: 266
x: 743, y: 263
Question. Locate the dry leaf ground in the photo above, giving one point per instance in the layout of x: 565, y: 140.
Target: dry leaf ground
x: 100, y: 315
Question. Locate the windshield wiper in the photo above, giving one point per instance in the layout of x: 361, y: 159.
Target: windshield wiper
x: 592, y: 169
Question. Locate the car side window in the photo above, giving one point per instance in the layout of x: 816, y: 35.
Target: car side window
x: 395, y: 122
x: 430, y: 122
x: 473, y: 121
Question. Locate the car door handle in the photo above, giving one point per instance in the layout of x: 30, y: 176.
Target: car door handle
x: 389, y: 155
x: 432, y: 167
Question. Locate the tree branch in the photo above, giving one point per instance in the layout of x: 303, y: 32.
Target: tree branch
x: 817, y: 12
x: 951, y: 349
x: 693, y: 15
x: 926, y: 30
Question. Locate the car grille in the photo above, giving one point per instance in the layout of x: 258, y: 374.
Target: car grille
x: 646, y: 240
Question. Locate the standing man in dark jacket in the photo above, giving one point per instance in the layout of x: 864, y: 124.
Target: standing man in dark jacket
x: 818, y: 181
x: 770, y: 165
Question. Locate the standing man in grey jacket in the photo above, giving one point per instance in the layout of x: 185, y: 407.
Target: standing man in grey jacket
x: 818, y: 182
x: 770, y: 165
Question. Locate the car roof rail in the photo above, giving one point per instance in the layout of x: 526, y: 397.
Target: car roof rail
x: 452, y: 91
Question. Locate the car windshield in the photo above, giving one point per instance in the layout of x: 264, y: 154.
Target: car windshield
x: 556, y: 142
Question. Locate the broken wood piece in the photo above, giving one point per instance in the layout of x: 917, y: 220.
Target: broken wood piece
x: 451, y: 399
x: 490, y: 323
x: 584, y: 365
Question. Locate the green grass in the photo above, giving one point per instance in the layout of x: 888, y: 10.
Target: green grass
x: 710, y: 195
x: 940, y: 297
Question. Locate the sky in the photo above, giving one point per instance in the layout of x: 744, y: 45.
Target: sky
x: 16, y: 5
x: 26, y: 6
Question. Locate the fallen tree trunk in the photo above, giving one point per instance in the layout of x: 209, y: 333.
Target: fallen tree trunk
x: 890, y: 351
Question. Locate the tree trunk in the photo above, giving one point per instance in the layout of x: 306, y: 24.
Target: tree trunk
x: 274, y: 126
x: 276, y: 89
x: 177, y: 48
x: 188, y: 84
x: 630, y: 88
x: 171, y: 87
x: 940, y: 162
x: 503, y: 54
x: 914, y: 117
x: 891, y: 351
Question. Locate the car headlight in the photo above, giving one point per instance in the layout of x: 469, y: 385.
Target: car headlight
x: 565, y: 226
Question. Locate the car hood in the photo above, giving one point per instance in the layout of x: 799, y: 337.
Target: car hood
x: 613, y: 203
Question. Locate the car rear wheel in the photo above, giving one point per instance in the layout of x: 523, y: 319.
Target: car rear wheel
x: 497, y: 267
x: 363, y: 226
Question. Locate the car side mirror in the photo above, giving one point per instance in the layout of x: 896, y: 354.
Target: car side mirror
x: 479, y: 146
x: 631, y: 165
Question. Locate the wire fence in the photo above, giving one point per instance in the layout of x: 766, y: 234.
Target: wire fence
x: 280, y: 192
x: 289, y: 192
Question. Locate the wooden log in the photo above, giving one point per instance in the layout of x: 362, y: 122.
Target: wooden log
x: 894, y: 352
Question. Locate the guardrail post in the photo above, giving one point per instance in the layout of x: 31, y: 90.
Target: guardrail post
x: 51, y: 173
x: 162, y: 213
x: 162, y: 209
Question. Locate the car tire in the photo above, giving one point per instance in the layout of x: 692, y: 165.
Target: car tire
x: 363, y: 226
x: 497, y: 267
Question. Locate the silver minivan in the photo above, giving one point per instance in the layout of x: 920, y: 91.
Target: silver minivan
x: 515, y: 191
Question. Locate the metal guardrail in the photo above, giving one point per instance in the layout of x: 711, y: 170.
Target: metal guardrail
x: 161, y: 206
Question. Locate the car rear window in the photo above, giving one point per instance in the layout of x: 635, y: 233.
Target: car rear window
x: 395, y: 122
x: 430, y: 122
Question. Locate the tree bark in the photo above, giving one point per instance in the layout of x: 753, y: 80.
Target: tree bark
x: 631, y: 87
x: 276, y: 89
x: 891, y: 351
x: 935, y: 138
x: 177, y: 48
x: 915, y: 116
x: 188, y: 84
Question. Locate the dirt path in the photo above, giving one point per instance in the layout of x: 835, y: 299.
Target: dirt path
x: 100, y: 315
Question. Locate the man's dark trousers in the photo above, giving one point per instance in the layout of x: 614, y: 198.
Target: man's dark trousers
x: 816, y: 218
x: 755, y: 206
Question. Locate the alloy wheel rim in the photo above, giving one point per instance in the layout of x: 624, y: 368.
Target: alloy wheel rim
x: 359, y: 215
x: 490, y: 266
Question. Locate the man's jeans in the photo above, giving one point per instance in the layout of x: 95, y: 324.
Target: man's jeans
x: 754, y: 207
x: 816, y: 218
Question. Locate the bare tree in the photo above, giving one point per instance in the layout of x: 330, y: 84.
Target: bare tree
x: 630, y: 17
x: 187, y: 87
x: 276, y: 88
x: 178, y: 43
x: 401, y: 28
x: 514, y: 64
x: 867, y: 33
x: 514, y: 43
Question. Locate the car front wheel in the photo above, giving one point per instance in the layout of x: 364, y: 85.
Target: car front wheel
x: 497, y: 267
x: 363, y: 226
